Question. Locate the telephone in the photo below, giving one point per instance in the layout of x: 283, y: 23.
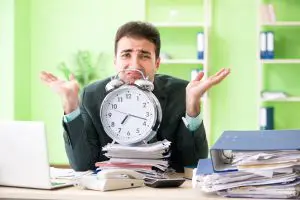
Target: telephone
x: 112, y: 179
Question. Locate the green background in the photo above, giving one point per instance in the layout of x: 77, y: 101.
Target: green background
x: 37, y: 35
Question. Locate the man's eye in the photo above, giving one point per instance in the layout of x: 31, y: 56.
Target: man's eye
x: 145, y: 56
x: 125, y: 55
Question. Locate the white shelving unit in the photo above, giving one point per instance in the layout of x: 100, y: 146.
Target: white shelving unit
x: 178, y: 24
x: 280, y: 61
x: 205, y: 27
x: 262, y: 63
x: 282, y: 23
x: 182, y: 61
x: 287, y: 99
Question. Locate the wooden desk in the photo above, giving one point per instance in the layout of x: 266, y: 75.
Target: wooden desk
x: 184, y: 192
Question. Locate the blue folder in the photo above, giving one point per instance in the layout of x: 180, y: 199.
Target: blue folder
x: 204, y: 167
x: 260, y: 140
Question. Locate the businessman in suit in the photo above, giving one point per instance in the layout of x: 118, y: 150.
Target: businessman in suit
x: 137, y: 46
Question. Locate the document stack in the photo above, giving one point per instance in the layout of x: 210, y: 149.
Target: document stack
x: 252, y: 164
x: 148, y: 159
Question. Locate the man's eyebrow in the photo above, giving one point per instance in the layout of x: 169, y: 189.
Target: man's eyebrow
x: 126, y: 50
x: 145, y: 52
x: 131, y: 50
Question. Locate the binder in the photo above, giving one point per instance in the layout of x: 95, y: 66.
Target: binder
x: 270, y: 45
x: 204, y: 167
x: 200, y: 45
x: 263, y: 45
x: 260, y: 140
x: 266, y: 118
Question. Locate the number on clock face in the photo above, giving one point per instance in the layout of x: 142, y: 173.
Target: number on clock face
x: 128, y: 115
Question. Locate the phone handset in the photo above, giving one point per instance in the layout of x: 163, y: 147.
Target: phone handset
x: 112, y: 179
x: 119, y: 174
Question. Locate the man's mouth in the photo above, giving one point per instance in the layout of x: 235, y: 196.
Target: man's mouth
x: 133, y: 74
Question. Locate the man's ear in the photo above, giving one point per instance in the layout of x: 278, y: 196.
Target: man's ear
x: 157, y: 64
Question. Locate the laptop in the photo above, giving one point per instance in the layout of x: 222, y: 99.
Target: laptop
x: 24, y: 156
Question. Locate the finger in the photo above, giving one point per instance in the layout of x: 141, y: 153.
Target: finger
x: 220, y: 71
x: 44, y: 76
x: 199, y: 76
x: 224, y: 73
x: 52, y: 77
x: 71, y: 77
x: 48, y: 76
x: 220, y: 77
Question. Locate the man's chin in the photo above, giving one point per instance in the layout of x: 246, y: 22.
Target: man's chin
x: 130, y: 80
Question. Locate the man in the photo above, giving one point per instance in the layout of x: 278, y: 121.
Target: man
x: 137, y: 45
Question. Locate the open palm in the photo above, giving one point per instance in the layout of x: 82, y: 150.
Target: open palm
x: 61, y: 87
x: 67, y: 90
x: 196, y: 88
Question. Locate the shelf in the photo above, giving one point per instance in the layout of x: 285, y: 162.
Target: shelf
x: 178, y: 24
x: 181, y: 61
x: 280, y: 61
x: 287, y: 99
x: 283, y: 23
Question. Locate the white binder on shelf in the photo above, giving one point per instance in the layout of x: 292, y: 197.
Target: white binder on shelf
x: 200, y: 45
x: 270, y: 45
x: 263, y: 45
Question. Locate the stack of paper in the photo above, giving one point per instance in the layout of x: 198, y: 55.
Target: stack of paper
x: 63, y: 173
x: 270, y: 95
x: 259, y: 175
x: 256, y: 164
x: 150, y: 159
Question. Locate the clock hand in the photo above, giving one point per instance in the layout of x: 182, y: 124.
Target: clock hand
x: 137, y: 117
x: 121, y: 112
x: 124, y: 119
x: 130, y: 115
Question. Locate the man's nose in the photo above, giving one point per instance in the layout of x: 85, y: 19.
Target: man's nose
x: 135, y: 61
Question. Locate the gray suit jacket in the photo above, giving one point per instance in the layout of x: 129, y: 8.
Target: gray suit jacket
x: 84, y: 136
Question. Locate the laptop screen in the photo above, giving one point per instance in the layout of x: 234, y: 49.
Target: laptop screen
x: 23, y: 154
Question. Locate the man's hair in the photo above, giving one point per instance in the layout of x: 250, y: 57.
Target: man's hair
x: 138, y: 29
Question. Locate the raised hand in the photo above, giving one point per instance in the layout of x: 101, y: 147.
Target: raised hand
x: 196, y: 88
x: 67, y: 90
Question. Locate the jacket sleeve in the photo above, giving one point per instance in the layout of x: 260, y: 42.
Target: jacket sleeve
x: 81, y: 141
x: 191, y: 145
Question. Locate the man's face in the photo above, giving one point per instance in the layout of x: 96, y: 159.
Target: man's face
x: 136, y: 53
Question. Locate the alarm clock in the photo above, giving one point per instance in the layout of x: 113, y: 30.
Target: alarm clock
x: 130, y: 113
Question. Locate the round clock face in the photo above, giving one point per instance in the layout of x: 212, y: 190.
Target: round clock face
x: 128, y: 115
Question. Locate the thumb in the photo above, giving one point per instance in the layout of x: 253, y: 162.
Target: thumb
x: 71, y: 77
x: 199, y: 76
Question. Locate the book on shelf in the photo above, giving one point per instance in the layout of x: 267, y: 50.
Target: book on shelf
x: 267, y: 14
x: 267, y: 45
x: 271, y: 95
x: 266, y: 118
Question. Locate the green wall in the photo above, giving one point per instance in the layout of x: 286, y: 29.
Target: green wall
x: 48, y: 32
x: 7, y: 59
x: 234, y: 44
x: 22, y: 55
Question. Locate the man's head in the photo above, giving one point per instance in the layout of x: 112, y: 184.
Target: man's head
x: 137, y: 45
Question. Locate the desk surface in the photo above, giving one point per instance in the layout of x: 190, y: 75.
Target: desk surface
x: 183, y: 192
